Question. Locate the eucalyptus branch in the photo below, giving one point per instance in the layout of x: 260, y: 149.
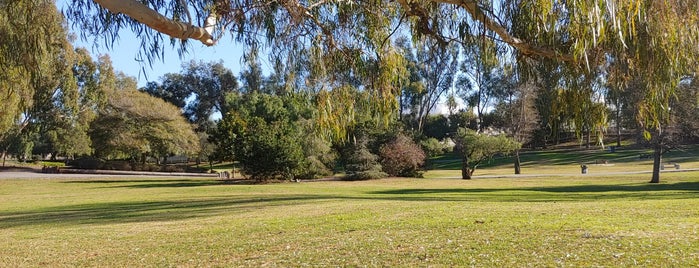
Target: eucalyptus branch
x: 143, y: 14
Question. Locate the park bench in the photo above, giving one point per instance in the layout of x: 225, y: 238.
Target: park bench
x: 224, y: 175
x: 675, y: 165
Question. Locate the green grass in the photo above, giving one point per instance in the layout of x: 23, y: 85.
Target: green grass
x: 145, y: 222
x: 567, y: 162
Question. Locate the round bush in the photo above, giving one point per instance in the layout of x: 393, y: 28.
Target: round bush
x: 402, y: 157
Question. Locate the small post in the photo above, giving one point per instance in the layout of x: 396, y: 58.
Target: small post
x: 583, y: 169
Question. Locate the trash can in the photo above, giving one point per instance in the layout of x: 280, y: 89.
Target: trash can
x: 583, y: 169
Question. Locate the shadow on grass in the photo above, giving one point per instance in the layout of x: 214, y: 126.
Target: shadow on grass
x: 172, y: 210
x: 561, y: 158
x: 162, y: 183
x: 580, y: 193
x: 685, y: 187
x: 125, y: 212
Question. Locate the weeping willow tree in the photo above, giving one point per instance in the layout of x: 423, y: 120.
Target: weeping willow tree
x: 657, y: 41
x: 35, y: 66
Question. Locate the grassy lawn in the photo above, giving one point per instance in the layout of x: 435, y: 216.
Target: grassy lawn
x: 568, y: 162
x: 559, y: 221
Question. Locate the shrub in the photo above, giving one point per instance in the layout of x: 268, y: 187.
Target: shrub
x: 145, y: 167
x: 432, y: 147
x: 319, y: 158
x: 271, y: 151
x: 53, y: 164
x: 172, y: 168
x: 314, y: 168
x: 117, y: 165
x: 361, y: 164
x: 402, y: 157
x: 86, y: 163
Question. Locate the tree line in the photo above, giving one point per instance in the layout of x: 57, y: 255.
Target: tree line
x: 533, y: 70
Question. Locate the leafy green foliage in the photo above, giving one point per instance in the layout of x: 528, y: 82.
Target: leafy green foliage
x: 200, y: 90
x: 270, y: 150
x: 135, y: 124
x: 319, y: 155
x: 436, y: 126
x: 360, y: 162
x: 36, y: 83
x: 271, y: 138
x: 433, y: 147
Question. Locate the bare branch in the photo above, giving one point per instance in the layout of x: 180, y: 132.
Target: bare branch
x: 156, y: 21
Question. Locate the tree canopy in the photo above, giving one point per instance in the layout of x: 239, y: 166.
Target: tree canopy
x: 135, y: 124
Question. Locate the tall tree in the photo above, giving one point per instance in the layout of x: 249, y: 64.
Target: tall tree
x: 251, y: 76
x: 200, y: 90
x: 271, y: 136
x: 35, y: 62
x: 67, y: 126
x: 209, y: 83
x: 480, y: 70
x: 436, y: 66
x: 135, y: 125
x: 519, y: 114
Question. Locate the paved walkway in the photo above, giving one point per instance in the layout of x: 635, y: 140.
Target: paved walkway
x: 36, y: 174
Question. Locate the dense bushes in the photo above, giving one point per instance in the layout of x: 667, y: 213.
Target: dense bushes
x: 433, y: 147
x: 361, y: 163
x: 272, y: 138
x: 271, y: 150
x: 402, y: 157
x: 319, y: 158
x: 86, y: 163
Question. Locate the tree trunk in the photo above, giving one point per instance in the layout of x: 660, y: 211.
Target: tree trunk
x: 618, y: 137
x: 4, y: 154
x: 400, y: 106
x: 518, y: 165
x: 618, y: 128
x: 466, y: 171
x: 657, y: 161
x: 588, y: 139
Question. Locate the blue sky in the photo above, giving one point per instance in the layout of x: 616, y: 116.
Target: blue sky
x: 124, y: 52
